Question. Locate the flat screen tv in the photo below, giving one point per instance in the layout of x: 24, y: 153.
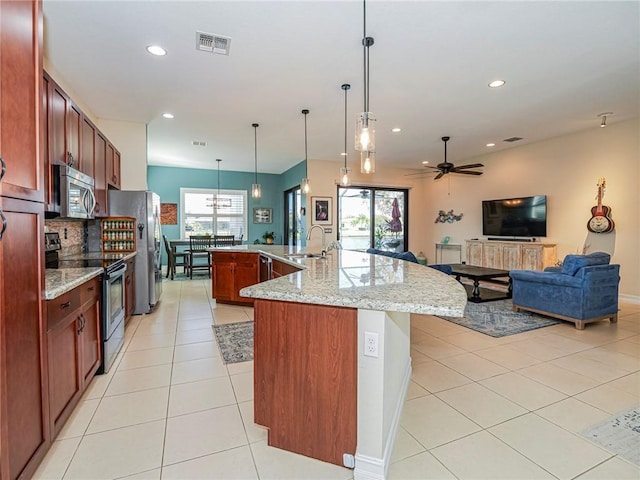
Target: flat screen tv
x: 515, y: 217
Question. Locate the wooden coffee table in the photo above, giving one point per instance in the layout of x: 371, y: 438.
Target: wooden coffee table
x: 480, y: 273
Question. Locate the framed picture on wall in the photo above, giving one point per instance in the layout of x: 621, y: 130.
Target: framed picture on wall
x: 262, y: 215
x: 321, y: 210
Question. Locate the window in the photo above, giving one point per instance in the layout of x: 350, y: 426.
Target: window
x: 198, y: 217
x: 373, y: 217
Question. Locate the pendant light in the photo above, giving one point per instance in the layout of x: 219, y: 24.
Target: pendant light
x: 256, y: 190
x: 344, y: 171
x: 365, y: 125
x: 306, y: 188
x: 215, y: 200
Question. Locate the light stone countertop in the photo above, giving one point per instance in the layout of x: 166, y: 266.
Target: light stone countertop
x: 347, y: 278
x: 63, y: 280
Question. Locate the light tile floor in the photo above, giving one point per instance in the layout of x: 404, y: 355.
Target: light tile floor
x: 477, y: 407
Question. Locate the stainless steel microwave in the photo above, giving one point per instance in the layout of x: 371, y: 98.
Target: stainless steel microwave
x: 73, y: 195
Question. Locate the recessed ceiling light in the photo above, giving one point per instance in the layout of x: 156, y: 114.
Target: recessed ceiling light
x: 156, y: 50
x: 491, y: 144
x: 497, y: 83
x: 425, y: 162
x: 343, y: 154
x: 167, y: 115
x: 396, y: 129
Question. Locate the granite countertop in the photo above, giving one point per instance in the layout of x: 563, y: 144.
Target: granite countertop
x: 63, y: 280
x: 347, y: 278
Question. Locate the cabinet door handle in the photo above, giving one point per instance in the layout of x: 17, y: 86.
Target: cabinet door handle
x: 65, y: 305
x: 79, y: 329
x: 3, y: 169
x: 4, y: 224
x: 70, y: 159
x: 91, y: 289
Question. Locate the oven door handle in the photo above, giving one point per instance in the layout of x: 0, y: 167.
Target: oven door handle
x: 117, y: 272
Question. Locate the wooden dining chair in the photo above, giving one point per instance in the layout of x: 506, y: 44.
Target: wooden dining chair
x: 223, y: 240
x: 175, y: 259
x: 198, y: 245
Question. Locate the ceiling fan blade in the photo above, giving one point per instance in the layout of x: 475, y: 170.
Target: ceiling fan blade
x: 440, y: 175
x: 465, y: 172
x: 472, y: 165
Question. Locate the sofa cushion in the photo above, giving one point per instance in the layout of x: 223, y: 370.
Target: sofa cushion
x: 572, y: 263
x: 406, y: 256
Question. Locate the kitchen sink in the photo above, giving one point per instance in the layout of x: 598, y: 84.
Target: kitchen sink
x: 304, y: 255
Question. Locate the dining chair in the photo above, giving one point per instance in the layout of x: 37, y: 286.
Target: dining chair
x: 175, y: 259
x: 198, y: 245
x: 223, y: 240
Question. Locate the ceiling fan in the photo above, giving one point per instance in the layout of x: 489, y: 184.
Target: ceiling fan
x: 447, y: 167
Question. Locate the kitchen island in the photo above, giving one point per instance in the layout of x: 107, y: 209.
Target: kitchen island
x: 331, y: 351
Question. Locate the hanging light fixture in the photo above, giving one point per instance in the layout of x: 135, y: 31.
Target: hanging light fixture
x: 306, y: 188
x: 344, y: 171
x: 365, y: 125
x: 256, y: 190
x: 215, y: 200
x: 603, y: 118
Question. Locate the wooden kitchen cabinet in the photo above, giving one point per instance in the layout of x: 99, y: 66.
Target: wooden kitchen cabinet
x: 130, y: 289
x: 280, y: 269
x: 20, y: 101
x: 100, y: 189
x: 88, y: 147
x: 232, y: 271
x: 113, y: 166
x: 74, y: 348
x: 24, y: 407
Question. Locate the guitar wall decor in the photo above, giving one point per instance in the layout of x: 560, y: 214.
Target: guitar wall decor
x: 600, y: 221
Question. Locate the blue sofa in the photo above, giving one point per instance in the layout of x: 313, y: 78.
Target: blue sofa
x: 409, y: 257
x: 583, y: 290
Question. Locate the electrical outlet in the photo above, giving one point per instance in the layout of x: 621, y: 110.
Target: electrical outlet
x: 371, y: 344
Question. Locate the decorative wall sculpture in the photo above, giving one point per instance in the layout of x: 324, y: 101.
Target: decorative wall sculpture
x: 448, y: 217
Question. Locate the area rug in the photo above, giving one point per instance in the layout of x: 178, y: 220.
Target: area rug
x: 498, y: 319
x: 235, y: 341
x: 619, y: 435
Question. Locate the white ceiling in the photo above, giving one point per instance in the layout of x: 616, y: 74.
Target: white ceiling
x: 564, y: 63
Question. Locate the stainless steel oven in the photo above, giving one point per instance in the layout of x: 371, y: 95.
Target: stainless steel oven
x: 113, y: 298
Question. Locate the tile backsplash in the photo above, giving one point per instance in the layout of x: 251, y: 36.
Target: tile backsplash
x: 71, y: 235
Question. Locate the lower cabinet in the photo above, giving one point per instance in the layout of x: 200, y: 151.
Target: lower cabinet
x: 232, y: 271
x: 130, y: 289
x: 280, y: 269
x: 506, y: 255
x: 73, y: 340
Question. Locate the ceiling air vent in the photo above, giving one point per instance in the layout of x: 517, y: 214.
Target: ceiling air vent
x: 209, y: 42
x: 512, y: 139
x: 198, y: 143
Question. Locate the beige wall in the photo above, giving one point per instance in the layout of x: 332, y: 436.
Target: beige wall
x: 131, y: 140
x: 325, y: 176
x: 566, y: 169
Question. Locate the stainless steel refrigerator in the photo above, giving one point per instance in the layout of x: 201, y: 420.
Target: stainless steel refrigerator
x: 145, y: 207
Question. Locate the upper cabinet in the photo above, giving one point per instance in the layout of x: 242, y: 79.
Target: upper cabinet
x: 21, y: 173
x: 113, y: 166
x: 71, y: 138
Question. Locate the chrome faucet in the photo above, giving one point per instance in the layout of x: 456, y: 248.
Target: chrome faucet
x: 324, y: 238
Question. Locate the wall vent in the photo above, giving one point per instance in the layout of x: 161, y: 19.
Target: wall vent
x: 512, y: 139
x: 212, y: 43
x: 198, y: 143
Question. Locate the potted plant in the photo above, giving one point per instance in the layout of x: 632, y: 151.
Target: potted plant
x: 269, y: 236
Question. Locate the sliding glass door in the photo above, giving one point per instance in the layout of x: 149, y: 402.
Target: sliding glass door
x: 293, y: 220
x: 373, y: 217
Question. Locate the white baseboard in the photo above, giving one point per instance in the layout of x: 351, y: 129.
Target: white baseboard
x: 629, y: 298
x: 371, y: 468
